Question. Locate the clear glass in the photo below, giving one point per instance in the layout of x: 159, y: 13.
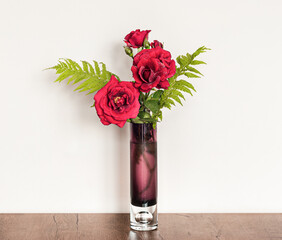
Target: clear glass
x: 143, y: 177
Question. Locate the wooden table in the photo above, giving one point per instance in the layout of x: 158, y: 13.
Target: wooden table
x: 116, y: 227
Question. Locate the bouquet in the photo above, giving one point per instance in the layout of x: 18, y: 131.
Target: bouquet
x: 158, y: 81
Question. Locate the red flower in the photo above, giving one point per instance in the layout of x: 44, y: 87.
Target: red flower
x: 136, y: 38
x: 151, y: 68
x: 156, y: 43
x: 116, y: 102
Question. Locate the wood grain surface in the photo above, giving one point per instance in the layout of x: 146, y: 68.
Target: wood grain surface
x: 116, y: 227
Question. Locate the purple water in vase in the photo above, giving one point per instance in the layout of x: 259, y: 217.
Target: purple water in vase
x: 143, y: 176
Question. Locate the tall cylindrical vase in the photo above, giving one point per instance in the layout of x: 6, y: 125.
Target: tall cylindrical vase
x: 143, y: 177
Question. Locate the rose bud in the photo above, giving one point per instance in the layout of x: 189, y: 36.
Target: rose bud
x: 128, y: 51
x: 136, y: 38
x: 156, y: 43
x: 146, y: 44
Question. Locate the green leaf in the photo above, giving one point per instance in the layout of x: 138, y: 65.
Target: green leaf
x: 191, y: 75
x: 175, y: 91
x: 191, y: 69
x: 183, y: 88
x: 160, y: 115
x: 85, y: 66
x: 167, y: 105
x: 147, y: 120
x: 73, y: 64
x: 185, y: 83
x: 199, y: 51
x: 143, y: 114
x: 90, y: 80
x: 153, y: 105
x: 176, y: 98
x: 156, y: 95
x: 65, y: 74
x: 189, y: 57
x: 136, y: 120
x: 184, y: 60
x: 197, y: 62
x: 171, y: 102
x: 154, y: 125
x: 97, y: 69
x: 73, y: 78
x: 59, y: 70
x: 104, y: 71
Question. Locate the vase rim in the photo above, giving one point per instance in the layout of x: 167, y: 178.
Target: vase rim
x: 141, y: 123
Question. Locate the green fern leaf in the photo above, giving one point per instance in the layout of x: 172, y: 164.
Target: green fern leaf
x: 97, y: 69
x: 79, y: 77
x: 199, y: 51
x: 176, y: 98
x: 191, y: 75
x: 156, y: 95
x: 153, y: 105
x: 65, y: 74
x: 178, y: 87
x: 167, y: 105
x: 91, y: 80
x: 87, y: 67
x: 73, y: 78
x: 184, y: 60
x: 182, y: 88
x: 197, y: 62
x: 171, y: 102
x: 104, y: 71
x: 185, y: 83
x: 177, y: 93
x: 191, y: 69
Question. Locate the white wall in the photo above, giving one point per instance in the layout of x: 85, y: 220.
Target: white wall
x: 221, y: 152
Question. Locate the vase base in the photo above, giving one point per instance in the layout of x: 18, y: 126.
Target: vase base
x: 143, y: 218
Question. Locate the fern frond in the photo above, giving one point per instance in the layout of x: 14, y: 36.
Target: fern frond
x: 191, y: 75
x: 171, y: 102
x: 197, y: 62
x: 200, y: 50
x: 179, y: 86
x: 184, y: 84
x: 191, y: 69
x: 176, y: 98
x: 92, y: 78
x: 167, y: 105
x: 175, y: 91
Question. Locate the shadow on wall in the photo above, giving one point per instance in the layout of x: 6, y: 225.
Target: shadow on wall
x: 121, y: 135
x: 123, y: 168
x: 123, y: 65
x: 86, y: 116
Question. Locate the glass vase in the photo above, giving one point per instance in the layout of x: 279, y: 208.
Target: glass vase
x: 143, y: 177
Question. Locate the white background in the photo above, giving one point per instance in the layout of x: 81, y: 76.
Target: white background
x: 221, y: 152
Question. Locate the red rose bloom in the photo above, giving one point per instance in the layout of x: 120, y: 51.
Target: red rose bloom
x: 156, y: 43
x: 116, y: 102
x: 136, y: 38
x: 151, y: 68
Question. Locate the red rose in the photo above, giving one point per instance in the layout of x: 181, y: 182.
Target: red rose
x: 136, y: 38
x: 156, y: 43
x: 151, y: 68
x: 116, y: 102
x: 149, y: 73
